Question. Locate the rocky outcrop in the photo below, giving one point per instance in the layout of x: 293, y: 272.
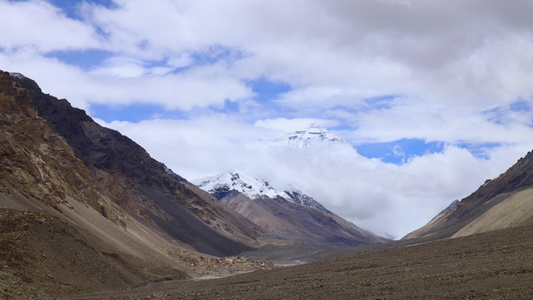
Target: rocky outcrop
x: 36, y: 161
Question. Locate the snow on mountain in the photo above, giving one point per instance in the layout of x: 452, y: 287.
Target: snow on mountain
x: 17, y: 75
x: 313, y: 135
x: 252, y: 187
x: 302, y: 199
x: 244, y: 183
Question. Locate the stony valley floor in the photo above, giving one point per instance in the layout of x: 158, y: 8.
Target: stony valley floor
x: 494, y: 265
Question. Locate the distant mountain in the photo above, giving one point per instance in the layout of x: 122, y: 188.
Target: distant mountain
x: 312, y: 136
x: 252, y: 187
x: 288, y: 215
x: 506, y: 201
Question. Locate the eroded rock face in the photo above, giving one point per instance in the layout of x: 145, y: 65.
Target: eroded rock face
x: 16, y: 102
x: 35, y: 160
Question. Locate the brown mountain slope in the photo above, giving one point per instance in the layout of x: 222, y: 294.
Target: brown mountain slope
x: 36, y: 161
x: 503, y: 202
x: 41, y: 256
x: 142, y: 187
x: 60, y: 231
x: 39, y: 179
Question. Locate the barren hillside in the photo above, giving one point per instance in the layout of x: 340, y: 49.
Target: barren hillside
x: 499, y: 203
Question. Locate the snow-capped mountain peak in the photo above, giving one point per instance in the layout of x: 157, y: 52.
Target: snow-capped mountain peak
x: 244, y: 183
x: 312, y: 135
x: 253, y: 187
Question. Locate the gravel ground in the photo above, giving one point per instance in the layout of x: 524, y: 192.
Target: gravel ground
x: 494, y: 265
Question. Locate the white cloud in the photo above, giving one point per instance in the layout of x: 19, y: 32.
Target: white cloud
x: 287, y: 125
x: 40, y: 26
x: 117, y: 84
x: 331, y: 53
x: 53, y: 76
x: 121, y: 67
x: 180, y: 61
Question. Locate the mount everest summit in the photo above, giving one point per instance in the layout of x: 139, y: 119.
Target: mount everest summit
x: 313, y: 135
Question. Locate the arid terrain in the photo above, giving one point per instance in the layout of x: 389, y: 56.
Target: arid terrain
x: 493, y: 265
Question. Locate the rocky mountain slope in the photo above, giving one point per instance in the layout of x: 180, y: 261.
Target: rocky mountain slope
x: 506, y: 201
x: 285, y: 215
x: 141, y: 186
x: 76, y: 214
x: 43, y: 239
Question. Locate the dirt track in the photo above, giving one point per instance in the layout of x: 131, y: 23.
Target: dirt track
x: 492, y: 265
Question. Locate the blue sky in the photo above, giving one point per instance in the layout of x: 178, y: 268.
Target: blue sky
x: 399, y: 152
x: 431, y: 97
